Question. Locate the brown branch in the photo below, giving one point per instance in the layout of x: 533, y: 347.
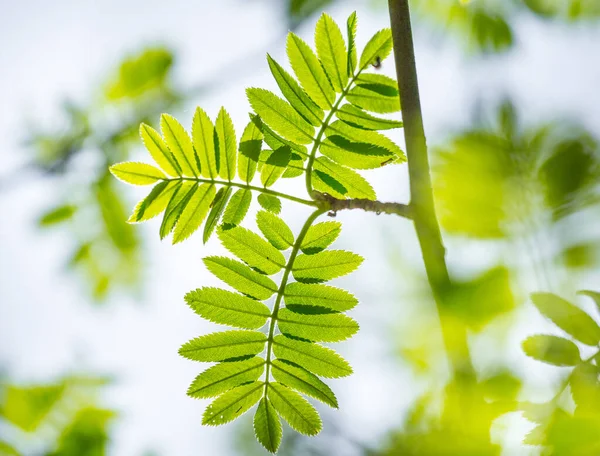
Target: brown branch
x: 329, y: 203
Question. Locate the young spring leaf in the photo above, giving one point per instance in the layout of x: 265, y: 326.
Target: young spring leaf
x: 218, y: 206
x: 552, y: 350
x: 375, y: 93
x: 239, y: 276
x: 320, y: 236
x: 275, y: 166
x: 357, y: 155
x: 568, y: 317
x: 159, y: 150
x: 275, y: 141
x: 180, y: 145
x: 194, y: 212
x: 313, y: 357
x: 351, y: 30
x: 275, y: 230
x: 225, y: 376
x: 292, y: 91
x: 232, y: 404
x: 252, y: 249
x: 228, y: 308
x: 371, y: 137
x: 156, y: 201
x: 331, y: 50
x: 309, y: 71
x: 310, y: 294
x: 293, y: 408
x: 250, y: 147
x: 295, y: 377
x: 237, y: 208
x: 325, y: 265
x: 267, y: 426
x: 203, y: 136
x: 317, y: 328
x: 358, y: 118
x: 270, y: 203
x: 137, y: 173
x: 378, y: 48
x: 340, y: 181
x: 223, y: 345
x: 280, y: 116
x: 176, y: 206
x: 226, y: 145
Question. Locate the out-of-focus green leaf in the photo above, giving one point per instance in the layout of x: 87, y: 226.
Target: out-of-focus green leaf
x: 26, y: 407
x: 552, y: 350
x: 57, y: 215
x: 86, y: 435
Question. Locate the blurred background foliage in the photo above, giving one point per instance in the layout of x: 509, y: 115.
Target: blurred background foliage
x: 531, y: 191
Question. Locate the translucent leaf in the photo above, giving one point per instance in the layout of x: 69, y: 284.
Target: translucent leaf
x: 250, y: 146
x: 552, y: 350
x: 228, y: 308
x: 270, y: 203
x: 309, y: 71
x: 320, y: 236
x: 585, y: 387
x: 203, y: 135
x: 351, y: 30
x: 175, y: 207
x: 313, y: 357
x: 226, y: 145
x: 156, y: 201
x: 275, y: 166
x: 377, y: 49
x: 309, y: 294
x: 223, y: 345
x: 159, y: 150
x: 237, y: 208
x: 225, y: 376
x: 317, y: 328
x: 218, y: 206
x: 346, y: 183
x: 60, y: 214
x: 232, y: 404
x: 358, y: 118
x: 295, y: 168
x: 325, y: 265
x: 375, y: 93
x: 301, y: 380
x: 267, y: 426
x: 241, y: 277
x: 371, y: 137
x: 194, y: 212
x: 275, y: 230
x: 568, y: 317
x: 292, y: 91
x: 592, y: 294
x: 137, y: 173
x: 358, y: 155
x: 180, y: 145
x: 274, y: 141
x: 27, y: 407
x: 293, y: 408
x: 252, y: 249
x: 8, y: 450
x: 280, y: 116
x: 331, y: 50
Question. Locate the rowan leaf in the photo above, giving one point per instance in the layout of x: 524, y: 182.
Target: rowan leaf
x: 340, y: 181
x: 356, y: 117
x: 325, y: 265
x: 275, y: 166
x: 237, y: 208
x: 249, y: 151
x: 320, y: 236
x: 224, y: 345
x: 228, y: 308
x: 275, y: 230
x: 267, y: 426
x: 309, y: 294
x: 358, y: 155
x: 178, y: 203
x: 351, y: 30
x: 159, y: 150
x: 240, y: 277
x: 137, y: 173
x: 375, y: 93
x: 218, y: 206
x: 293, y: 408
x: 232, y: 404
x: 313, y: 357
x: 225, y: 376
x: 156, y: 201
x: 377, y: 48
x: 194, y: 212
x: 180, y: 145
x: 316, y: 328
x: 552, y: 350
x: 270, y: 203
x: 371, y: 137
x: 295, y: 377
x: 226, y: 145
x: 331, y: 50
x: 203, y: 137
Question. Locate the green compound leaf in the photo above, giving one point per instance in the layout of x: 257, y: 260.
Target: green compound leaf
x: 232, y: 404
x: 319, y: 295
x: 176, y: 206
x: 179, y: 144
x: 226, y: 145
x: 228, y: 308
x: 331, y: 50
x: 275, y: 166
x: 237, y: 208
x: 303, y: 381
x: 313, y: 357
x: 224, y: 345
x: 371, y: 137
x: 293, y: 408
x: 159, y: 150
x: 340, y: 181
x: 292, y: 91
x: 317, y: 328
x: 552, y: 350
x: 280, y: 116
x: 270, y: 203
x: 225, y: 376
x: 378, y: 48
x: 275, y: 230
x: 156, y: 201
x: 351, y: 30
x: 194, y: 212
x: 240, y: 277
x: 267, y: 426
x: 358, y: 118
x: 568, y: 317
x: 325, y: 265
x: 137, y: 173
x: 309, y: 71
x: 358, y: 155
x: 249, y: 151
x: 252, y: 249
x: 320, y: 236
x: 203, y: 137
x: 218, y: 206
x: 375, y: 93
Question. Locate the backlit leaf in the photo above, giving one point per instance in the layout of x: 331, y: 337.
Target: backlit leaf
x: 194, y: 212
x: 358, y: 118
x: 371, y: 137
x: 270, y: 203
x: 331, y: 50
x: 237, y: 208
x: 320, y: 236
x: 293, y: 408
x: 226, y: 145
x: 358, y: 155
x: 180, y: 145
x: 275, y: 230
x: 317, y: 328
x: 241, y: 277
x: 176, y: 206
x: 137, y: 173
x: 351, y: 30
x: 378, y: 47
x: 223, y: 345
x: 309, y: 294
x: 225, y: 376
x: 267, y: 426
x: 325, y: 265
x: 249, y: 150
x: 275, y: 166
x: 156, y: 201
x: 301, y: 380
x: 352, y: 183
x: 552, y: 350
x: 203, y: 136
x: 375, y: 93
x: 159, y: 150
x: 218, y: 206
x: 62, y: 213
x: 232, y: 404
